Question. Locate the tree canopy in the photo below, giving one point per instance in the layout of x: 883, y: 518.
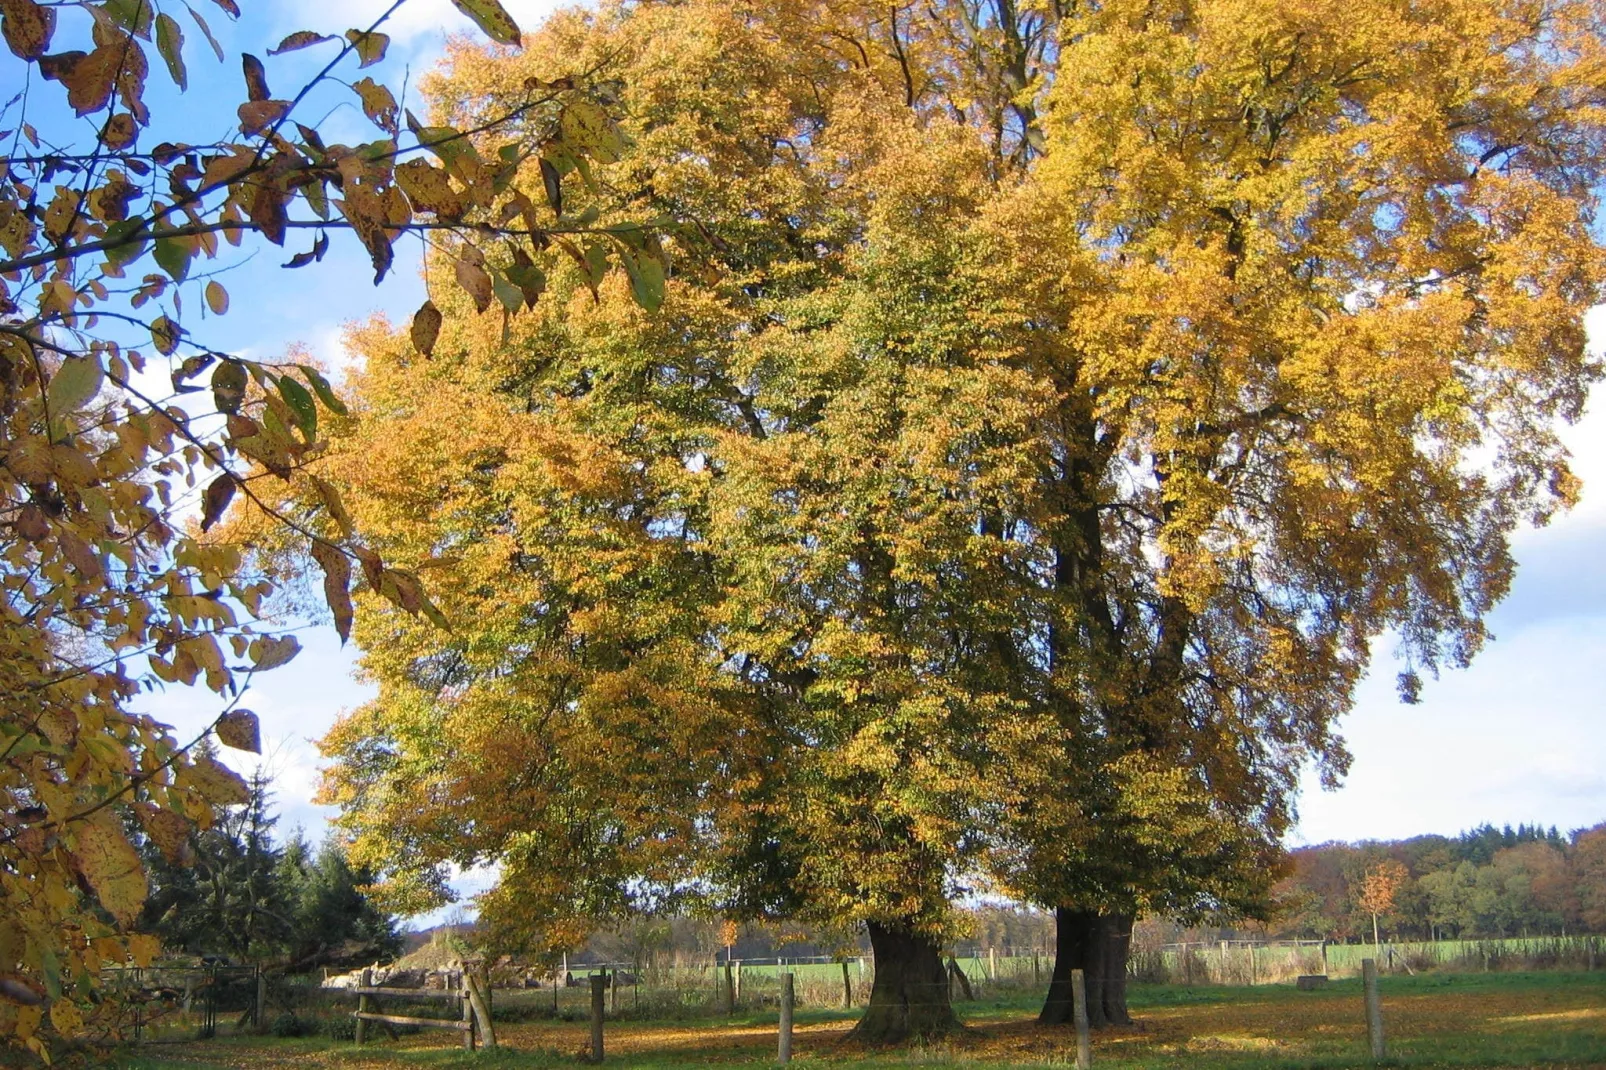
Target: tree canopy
x: 1050, y: 409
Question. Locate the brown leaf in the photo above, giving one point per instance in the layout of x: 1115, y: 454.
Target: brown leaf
x: 239, y: 729
x: 373, y: 569
x: 378, y: 104
x: 299, y: 40
x: 269, y: 653
x: 89, y: 77
x: 554, y: 185
x: 267, y: 211
x: 216, y: 500
x: 333, y: 505
x: 229, y: 6
x: 256, y: 78
x: 165, y: 335
x: 120, y: 131
x: 228, y: 389
x: 426, y: 328
x: 476, y: 281
x: 336, y: 584
x: 365, y: 210
x: 27, y: 27
x: 217, y: 298
x: 31, y: 523
x: 258, y: 115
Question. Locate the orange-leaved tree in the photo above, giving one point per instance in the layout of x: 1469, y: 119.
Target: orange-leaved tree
x: 124, y: 436
x: 1379, y: 887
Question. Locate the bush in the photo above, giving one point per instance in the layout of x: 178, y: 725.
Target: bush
x: 340, y: 1027
x: 288, y: 1025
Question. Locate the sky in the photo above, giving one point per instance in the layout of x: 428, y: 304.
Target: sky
x: 1517, y: 737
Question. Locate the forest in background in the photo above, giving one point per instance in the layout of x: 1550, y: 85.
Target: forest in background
x: 1487, y: 882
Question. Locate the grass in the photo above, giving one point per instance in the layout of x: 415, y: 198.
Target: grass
x: 1433, y: 1020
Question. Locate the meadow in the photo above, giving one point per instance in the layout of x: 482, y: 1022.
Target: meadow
x: 1555, y: 1018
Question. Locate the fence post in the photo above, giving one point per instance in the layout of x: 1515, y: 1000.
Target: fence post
x: 784, y: 1049
x: 468, y: 1013
x: 1084, y: 1046
x: 730, y: 987
x: 362, y: 1005
x: 598, y: 989
x: 1374, y: 1009
x: 262, y: 1000
x: 737, y: 992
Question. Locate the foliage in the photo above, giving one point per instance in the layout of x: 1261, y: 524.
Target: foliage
x: 111, y: 478
x: 1539, y: 883
x: 1053, y: 416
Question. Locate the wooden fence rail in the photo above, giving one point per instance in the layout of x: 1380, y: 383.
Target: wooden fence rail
x: 369, y: 1010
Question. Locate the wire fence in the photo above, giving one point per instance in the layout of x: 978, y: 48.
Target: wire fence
x: 182, y: 1002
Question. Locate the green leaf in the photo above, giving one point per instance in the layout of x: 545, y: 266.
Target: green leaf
x: 132, y: 15
x: 646, y: 274
x: 127, y: 242
x: 170, y: 43
x: 75, y: 384
x: 301, y: 406
x: 370, y: 47
x: 508, y: 294
x: 173, y: 256
x: 325, y: 392
x: 492, y: 18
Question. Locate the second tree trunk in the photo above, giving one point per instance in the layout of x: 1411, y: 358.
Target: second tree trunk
x: 1097, y: 945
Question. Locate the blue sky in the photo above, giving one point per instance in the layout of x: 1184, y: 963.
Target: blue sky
x: 1516, y: 737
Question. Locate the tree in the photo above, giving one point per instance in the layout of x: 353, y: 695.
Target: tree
x: 332, y: 921
x: 1279, y: 333
x: 1379, y: 887
x: 1589, y: 867
x: 110, y: 588
x: 1062, y: 403
x: 222, y: 895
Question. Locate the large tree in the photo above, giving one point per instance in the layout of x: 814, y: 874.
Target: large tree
x: 1051, y: 409
x: 1309, y: 282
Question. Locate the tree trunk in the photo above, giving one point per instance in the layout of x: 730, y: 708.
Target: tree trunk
x: 909, y: 995
x: 1097, y: 945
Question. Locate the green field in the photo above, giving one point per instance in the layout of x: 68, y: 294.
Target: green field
x: 1450, y: 1020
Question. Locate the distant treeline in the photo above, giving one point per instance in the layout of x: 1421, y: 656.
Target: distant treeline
x: 1489, y: 882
